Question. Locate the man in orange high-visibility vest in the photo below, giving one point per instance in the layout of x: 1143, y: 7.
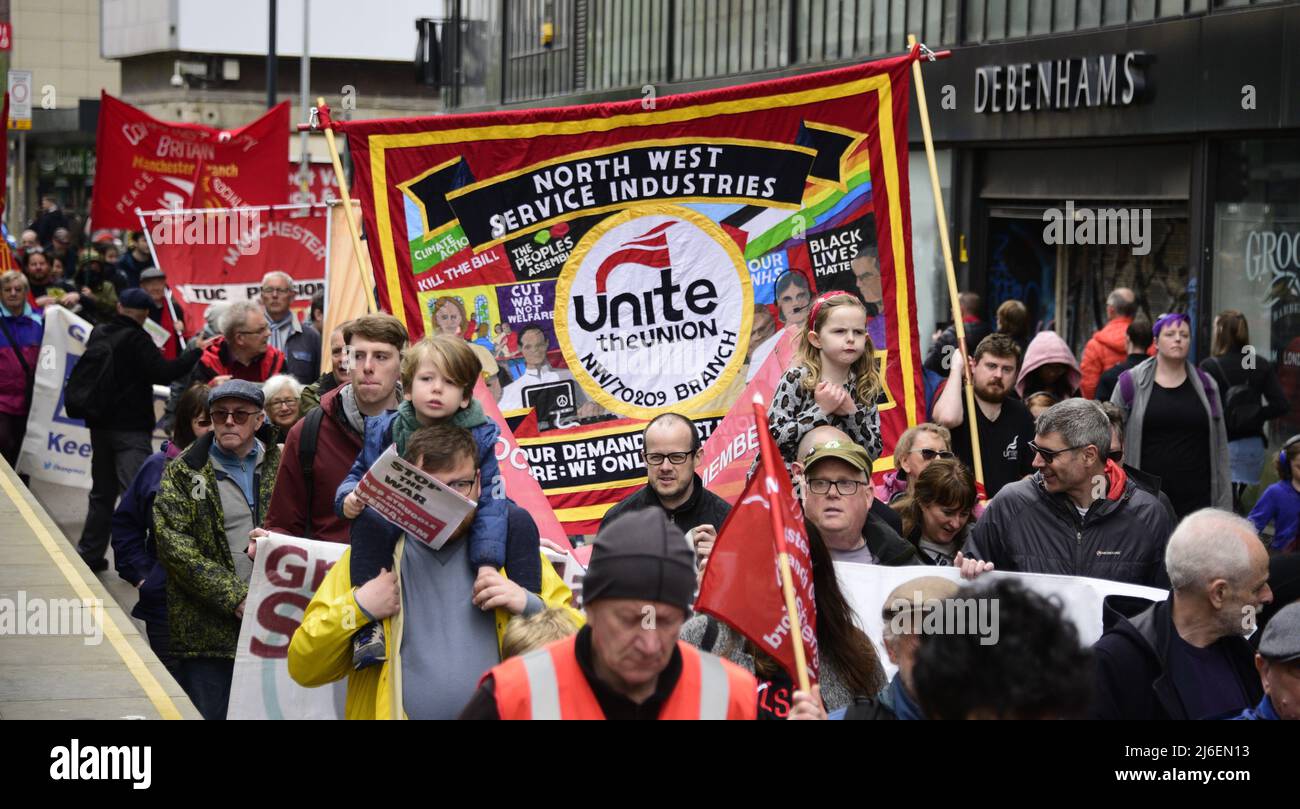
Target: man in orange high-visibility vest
x: 627, y: 662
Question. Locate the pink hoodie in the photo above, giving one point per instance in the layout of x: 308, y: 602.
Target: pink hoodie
x: 1048, y: 347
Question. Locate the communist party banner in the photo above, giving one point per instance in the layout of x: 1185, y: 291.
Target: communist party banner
x: 220, y: 255
x: 609, y: 258
x: 142, y: 163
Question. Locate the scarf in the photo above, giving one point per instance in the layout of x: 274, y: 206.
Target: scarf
x: 407, y: 421
x: 1117, y: 477
x: 351, y: 412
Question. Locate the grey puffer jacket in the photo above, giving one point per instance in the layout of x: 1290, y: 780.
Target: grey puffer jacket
x: 1026, y: 529
x: 730, y: 645
x: 1133, y: 395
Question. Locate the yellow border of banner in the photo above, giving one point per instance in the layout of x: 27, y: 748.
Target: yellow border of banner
x: 564, y: 288
x: 879, y: 83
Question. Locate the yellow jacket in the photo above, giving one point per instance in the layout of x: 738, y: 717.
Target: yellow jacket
x: 321, y: 650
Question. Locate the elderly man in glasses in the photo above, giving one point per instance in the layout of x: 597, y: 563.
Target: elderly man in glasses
x: 211, y: 497
x: 300, y: 343
x: 671, y: 450
x: 1079, y: 514
x: 834, y: 479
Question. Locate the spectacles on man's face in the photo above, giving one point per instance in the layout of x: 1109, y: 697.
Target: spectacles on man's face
x: 1049, y: 455
x: 264, y: 330
x: 240, y: 416
x: 931, y: 454
x: 675, y: 458
x: 462, y: 487
x: 276, y: 290
x: 846, y: 488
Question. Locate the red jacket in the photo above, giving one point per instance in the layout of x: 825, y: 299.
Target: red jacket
x: 217, y: 361
x: 337, y: 447
x: 1105, y: 349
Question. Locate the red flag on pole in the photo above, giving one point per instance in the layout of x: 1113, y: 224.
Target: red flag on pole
x: 759, y: 577
x: 7, y: 259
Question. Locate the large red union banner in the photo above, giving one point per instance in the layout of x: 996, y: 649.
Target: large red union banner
x: 146, y: 164
x: 615, y: 261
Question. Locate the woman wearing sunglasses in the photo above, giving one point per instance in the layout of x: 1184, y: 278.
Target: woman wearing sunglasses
x: 937, y: 511
x: 1175, y: 427
x: 916, y: 449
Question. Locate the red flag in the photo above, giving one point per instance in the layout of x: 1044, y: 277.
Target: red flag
x: 143, y: 163
x: 7, y: 259
x: 742, y: 582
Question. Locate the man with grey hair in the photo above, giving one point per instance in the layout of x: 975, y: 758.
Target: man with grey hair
x: 242, y: 351
x: 1079, y: 514
x: 1109, y: 345
x: 1187, y: 657
x: 300, y: 344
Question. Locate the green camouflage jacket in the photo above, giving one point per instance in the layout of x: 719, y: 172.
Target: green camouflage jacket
x: 202, y: 586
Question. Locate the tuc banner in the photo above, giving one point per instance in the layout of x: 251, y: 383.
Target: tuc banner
x: 612, y: 257
x: 144, y: 163
x: 220, y: 255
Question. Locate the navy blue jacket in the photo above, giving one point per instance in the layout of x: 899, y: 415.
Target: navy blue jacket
x: 135, y: 552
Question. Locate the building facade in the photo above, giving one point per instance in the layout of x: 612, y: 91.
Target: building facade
x: 1082, y: 144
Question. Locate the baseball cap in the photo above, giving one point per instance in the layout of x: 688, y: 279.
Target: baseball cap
x: 152, y: 273
x: 840, y: 449
x: 136, y: 298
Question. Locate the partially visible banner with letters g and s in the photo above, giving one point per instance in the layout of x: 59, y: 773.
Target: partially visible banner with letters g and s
x: 286, y: 574
x: 56, y: 448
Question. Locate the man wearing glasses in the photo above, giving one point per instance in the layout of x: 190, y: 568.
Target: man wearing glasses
x: 210, y: 498
x: 301, y: 345
x: 1079, y: 514
x: 837, y: 499
x: 671, y: 450
x: 243, y: 351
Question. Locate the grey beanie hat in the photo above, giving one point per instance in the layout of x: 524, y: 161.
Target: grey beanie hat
x: 641, y: 555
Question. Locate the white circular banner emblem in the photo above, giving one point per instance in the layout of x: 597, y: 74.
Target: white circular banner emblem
x: 653, y: 310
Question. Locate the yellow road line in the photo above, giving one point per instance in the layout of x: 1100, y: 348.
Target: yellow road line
x: 152, y: 688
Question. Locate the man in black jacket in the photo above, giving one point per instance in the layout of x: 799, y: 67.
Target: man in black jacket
x: 1187, y: 657
x: 671, y: 450
x: 1080, y: 514
x: 121, y: 438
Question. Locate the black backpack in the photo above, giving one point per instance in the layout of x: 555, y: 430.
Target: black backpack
x: 307, y: 454
x: 87, y: 394
x: 1242, y: 406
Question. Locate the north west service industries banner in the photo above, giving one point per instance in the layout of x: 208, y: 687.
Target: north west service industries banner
x: 610, y: 257
x: 143, y: 163
x: 220, y: 255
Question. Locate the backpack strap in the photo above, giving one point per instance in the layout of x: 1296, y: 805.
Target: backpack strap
x: 307, y: 454
x: 1126, y: 387
x: 1211, y: 392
